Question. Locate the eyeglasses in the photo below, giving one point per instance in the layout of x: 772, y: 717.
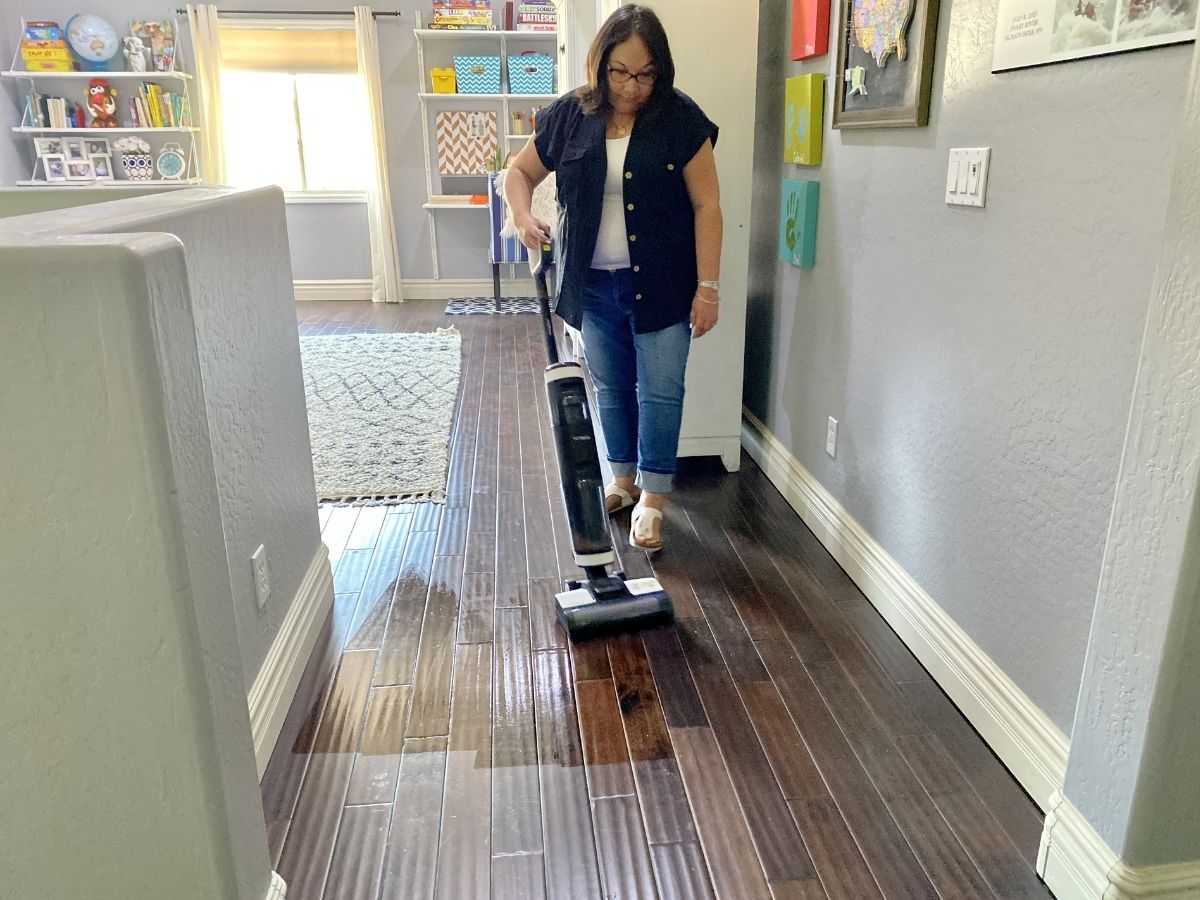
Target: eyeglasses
x: 621, y: 76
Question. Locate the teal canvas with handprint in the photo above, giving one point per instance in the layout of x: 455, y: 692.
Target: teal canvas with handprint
x: 804, y: 105
x: 798, y: 223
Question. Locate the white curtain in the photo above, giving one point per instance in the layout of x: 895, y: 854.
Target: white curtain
x: 385, y: 262
x: 206, y: 51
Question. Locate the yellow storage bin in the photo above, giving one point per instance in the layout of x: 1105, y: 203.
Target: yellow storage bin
x: 443, y: 80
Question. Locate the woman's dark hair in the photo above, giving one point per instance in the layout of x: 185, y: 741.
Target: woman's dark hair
x: 632, y: 20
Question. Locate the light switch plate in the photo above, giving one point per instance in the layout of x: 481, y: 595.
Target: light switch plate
x: 966, y: 176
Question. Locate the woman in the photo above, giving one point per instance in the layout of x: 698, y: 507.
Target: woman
x: 639, y: 244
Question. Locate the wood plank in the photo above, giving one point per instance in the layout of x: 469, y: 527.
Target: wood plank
x: 660, y: 789
x: 475, y: 623
x: 337, y: 531
x: 775, y: 837
x: 840, y: 864
x: 308, y: 850
x: 516, y: 797
x: 713, y: 525
x: 570, y: 849
x: 932, y: 839
x: 465, y: 854
x: 671, y: 571
x: 680, y: 872
x: 625, y: 867
x: 884, y: 846
x: 734, y: 641
x: 430, y: 714
x: 733, y: 864
x: 375, y: 599
x: 410, y: 864
x: 452, y: 535
x: 358, y: 857
x: 676, y: 691
x: 781, y: 741
x: 401, y: 640
x: 378, y: 762
x: 546, y: 633
x: 991, y: 781
x: 589, y: 659
x: 351, y: 571
x: 366, y: 529
x: 999, y: 859
x: 542, y: 555
x: 481, y: 545
x: 605, y: 755
x: 427, y: 516
x: 511, y: 573
x: 519, y: 877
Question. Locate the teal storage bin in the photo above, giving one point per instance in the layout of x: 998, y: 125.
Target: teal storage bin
x: 530, y: 73
x: 477, y: 74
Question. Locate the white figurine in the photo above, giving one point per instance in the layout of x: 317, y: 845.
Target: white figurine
x: 135, y: 53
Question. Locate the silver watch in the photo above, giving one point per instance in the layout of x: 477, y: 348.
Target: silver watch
x: 714, y: 285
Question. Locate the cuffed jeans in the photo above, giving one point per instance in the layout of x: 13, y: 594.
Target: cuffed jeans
x: 638, y: 380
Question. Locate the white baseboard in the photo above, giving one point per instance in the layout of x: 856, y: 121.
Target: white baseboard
x: 449, y: 288
x: 1076, y: 864
x: 275, y: 685
x: 1029, y: 744
x: 278, y: 888
x: 333, y: 289
x: 412, y: 288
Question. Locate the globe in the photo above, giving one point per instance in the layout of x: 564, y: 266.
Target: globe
x: 93, y: 39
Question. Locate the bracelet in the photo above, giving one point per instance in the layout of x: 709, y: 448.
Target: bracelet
x: 703, y: 300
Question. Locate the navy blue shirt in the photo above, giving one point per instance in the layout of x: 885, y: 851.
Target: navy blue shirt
x: 659, y: 220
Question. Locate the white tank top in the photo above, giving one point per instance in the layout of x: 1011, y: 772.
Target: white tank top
x: 612, y: 243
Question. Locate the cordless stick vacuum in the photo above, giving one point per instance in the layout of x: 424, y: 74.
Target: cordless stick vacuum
x: 600, y: 602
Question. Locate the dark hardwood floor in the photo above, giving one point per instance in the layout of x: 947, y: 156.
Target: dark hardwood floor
x: 778, y: 742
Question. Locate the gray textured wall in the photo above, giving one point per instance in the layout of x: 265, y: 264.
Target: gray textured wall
x: 980, y: 362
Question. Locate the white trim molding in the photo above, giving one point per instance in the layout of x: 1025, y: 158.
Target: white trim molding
x: 332, y: 289
x: 275, y: 686
x: 278, y: 888
x: 1027, y: 742
x: 1076, y: 864
x: 450, y: 288
x: 414, y: 288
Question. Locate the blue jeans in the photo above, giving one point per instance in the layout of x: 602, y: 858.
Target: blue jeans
x: 638, y: 380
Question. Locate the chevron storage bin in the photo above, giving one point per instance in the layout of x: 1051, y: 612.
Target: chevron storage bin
x: 531, y: 73
x: 477, y: 74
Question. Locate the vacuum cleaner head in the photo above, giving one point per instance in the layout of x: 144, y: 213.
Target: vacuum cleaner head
x: 610, y: 603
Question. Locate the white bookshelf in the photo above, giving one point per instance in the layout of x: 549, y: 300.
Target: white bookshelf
x: 449, y: 43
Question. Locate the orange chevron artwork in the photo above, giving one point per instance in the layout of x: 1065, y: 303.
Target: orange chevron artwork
x: 466, y: 141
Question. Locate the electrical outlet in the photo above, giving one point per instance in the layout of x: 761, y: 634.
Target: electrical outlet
x: 831, y: 437
x: 262, y: 576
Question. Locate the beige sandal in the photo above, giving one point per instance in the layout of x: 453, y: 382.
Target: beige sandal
x: 645, y: 528
x: 617, y: 498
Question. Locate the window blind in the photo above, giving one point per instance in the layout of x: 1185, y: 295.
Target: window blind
x: 305, y: 50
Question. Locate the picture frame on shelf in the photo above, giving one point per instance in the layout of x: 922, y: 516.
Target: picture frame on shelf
x: 74, y: 150
x: 55, y: 167
x: 102, y: 167
x: 80, y: 170
x: 49, y: 146
x: 885, y: 57
x: 98, y: 147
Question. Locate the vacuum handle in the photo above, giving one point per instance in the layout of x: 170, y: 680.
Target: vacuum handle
x: 543, y: 295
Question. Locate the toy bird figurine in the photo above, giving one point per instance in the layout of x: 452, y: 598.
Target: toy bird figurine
x: 102, y: 103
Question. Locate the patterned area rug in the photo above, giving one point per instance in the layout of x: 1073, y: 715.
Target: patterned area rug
x: 486, y: 306
x: 380, y: 407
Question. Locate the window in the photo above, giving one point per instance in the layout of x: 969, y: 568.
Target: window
x: 295, y: 111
